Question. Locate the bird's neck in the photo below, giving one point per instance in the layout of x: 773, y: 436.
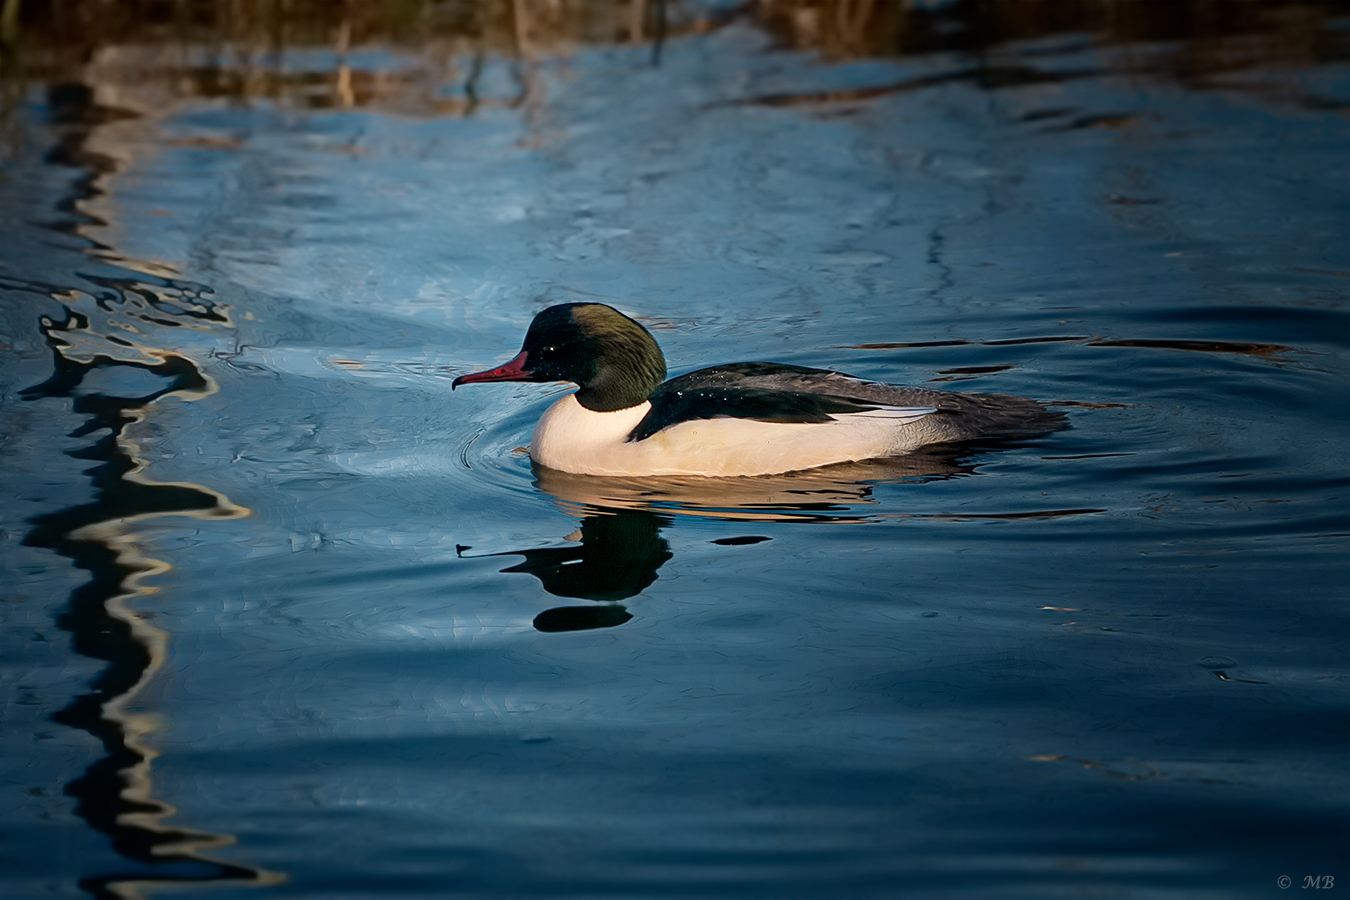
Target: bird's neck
x: 625, y: 376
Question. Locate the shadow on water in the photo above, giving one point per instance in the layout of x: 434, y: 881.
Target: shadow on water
x: 116, y: 794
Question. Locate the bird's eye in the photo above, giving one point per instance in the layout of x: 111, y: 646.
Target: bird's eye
x: 549, y: 352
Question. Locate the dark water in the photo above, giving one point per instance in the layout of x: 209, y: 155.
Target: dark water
x: 284, y: 617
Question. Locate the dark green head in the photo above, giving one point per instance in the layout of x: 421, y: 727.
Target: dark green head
x: 614, y: 360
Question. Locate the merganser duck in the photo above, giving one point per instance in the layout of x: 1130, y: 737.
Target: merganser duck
x: 751, y: 418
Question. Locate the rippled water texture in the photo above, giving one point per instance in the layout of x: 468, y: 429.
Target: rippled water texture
x: 284, y: 617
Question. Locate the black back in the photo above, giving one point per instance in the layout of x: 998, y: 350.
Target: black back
x: 764, y: 392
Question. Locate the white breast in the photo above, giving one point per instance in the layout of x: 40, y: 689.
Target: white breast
x: 571, y: 438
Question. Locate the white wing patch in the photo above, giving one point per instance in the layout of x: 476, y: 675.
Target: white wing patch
x: 901, y: 415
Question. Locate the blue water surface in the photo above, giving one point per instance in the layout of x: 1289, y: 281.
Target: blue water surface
x: 287, y: 618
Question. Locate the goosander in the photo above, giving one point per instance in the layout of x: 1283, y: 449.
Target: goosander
x: 750, y: 418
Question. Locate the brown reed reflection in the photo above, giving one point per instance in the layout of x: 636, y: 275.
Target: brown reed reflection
x: 449, y: 55
x: 1217, y: 36
x: 244, y: 42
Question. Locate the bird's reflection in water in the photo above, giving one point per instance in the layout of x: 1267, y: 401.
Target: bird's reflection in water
x: 618, y: 555
x: 620, y: 545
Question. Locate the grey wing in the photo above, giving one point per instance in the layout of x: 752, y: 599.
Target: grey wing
x: 955, y: 416
x: 949, y: 415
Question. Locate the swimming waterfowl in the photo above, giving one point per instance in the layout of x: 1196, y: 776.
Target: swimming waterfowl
x: 750, y: 418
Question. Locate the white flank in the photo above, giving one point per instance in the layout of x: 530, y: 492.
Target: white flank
x: 571, y: 438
